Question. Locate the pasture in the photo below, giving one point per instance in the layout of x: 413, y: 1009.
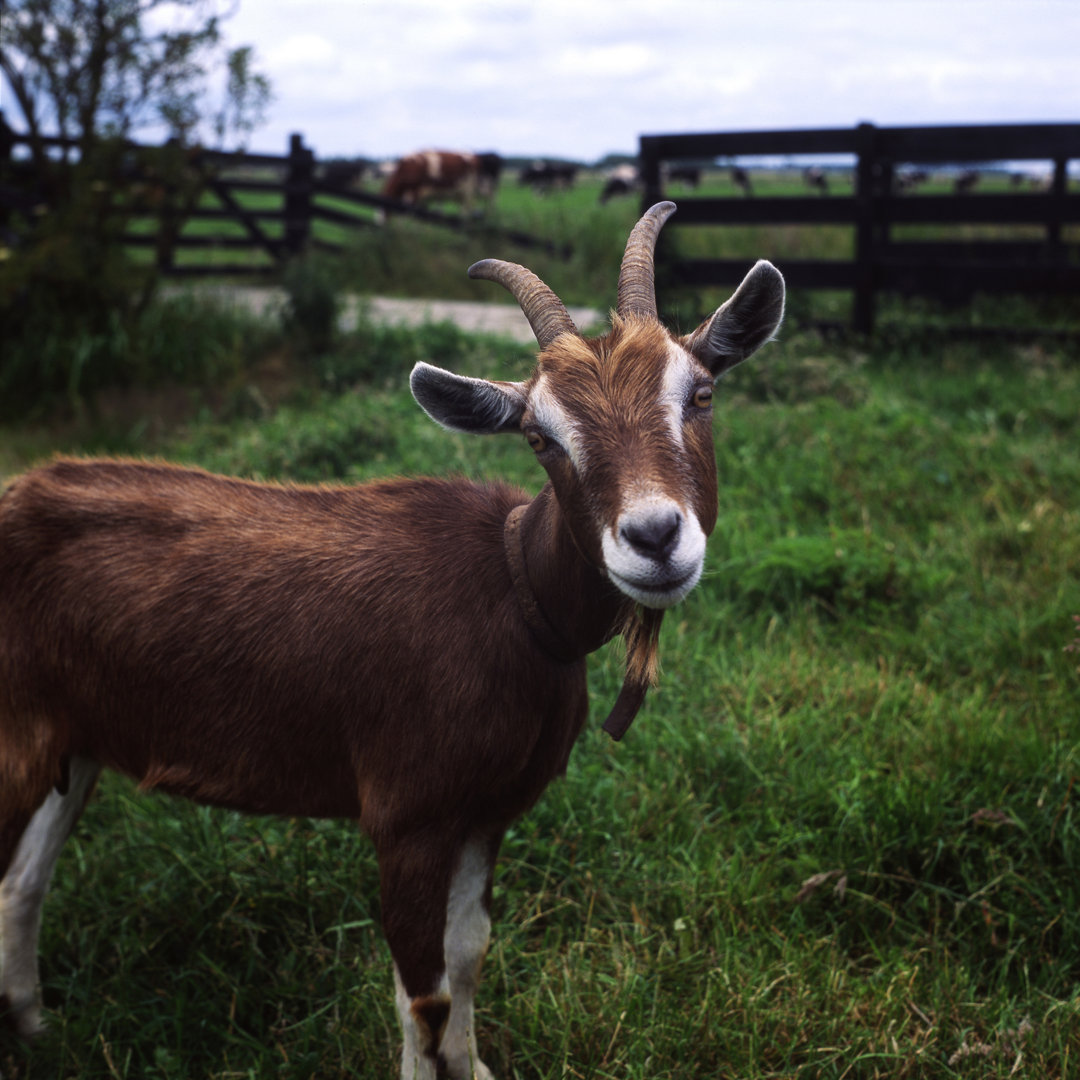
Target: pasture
x: 842, y: 839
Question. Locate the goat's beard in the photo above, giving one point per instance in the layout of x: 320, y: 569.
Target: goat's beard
x: 641, y: 636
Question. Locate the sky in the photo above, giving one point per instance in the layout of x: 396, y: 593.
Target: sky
x: 581, y: 78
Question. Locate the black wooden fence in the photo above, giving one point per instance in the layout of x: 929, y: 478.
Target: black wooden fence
x: 288, y: 200
x: 882, y: 261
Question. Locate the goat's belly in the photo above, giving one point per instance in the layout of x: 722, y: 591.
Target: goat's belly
x: 269, y: 792
x: 253, y: 776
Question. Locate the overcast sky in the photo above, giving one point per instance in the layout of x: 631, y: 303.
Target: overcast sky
x: 580, y: 78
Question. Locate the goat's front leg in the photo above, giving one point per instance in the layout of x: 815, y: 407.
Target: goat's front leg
x: 435, y: 895
x: 465, y: 941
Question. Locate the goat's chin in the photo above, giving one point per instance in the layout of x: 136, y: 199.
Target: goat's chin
x: 654, y: 593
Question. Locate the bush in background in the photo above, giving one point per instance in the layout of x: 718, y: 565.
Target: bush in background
x: 312, y: 302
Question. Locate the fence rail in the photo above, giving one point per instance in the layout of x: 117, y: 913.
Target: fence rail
x: 294, y: 199
x: 883, y: 261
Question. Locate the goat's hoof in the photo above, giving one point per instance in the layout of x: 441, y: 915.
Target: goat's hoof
x: 24, y: 1018
x: 474, y: 1070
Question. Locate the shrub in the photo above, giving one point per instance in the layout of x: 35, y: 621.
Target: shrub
x: 847, y: 571
x: 68, y: 301
x: 313, y: 301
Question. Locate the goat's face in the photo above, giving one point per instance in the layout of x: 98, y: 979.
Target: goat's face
x: 623, y: 427
x: 622, y: 423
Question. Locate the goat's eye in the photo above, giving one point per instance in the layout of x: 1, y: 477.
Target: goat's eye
x: 702, y: 398
x: 535, y: 440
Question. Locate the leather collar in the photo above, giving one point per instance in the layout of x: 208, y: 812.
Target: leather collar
x: 551, y: 640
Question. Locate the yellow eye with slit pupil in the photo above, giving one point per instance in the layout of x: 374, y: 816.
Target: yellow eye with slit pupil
x: 702, y: 398
x: 535, y: 440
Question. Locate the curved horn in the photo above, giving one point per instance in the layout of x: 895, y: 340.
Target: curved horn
x: 545, y: 311
x: 637, y: 287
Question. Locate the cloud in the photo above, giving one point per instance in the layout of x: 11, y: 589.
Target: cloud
x: 581, y: 77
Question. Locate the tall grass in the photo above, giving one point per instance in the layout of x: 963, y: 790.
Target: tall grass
x: 841, y: 840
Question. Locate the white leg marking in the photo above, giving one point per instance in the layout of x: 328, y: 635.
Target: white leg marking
x: 415, y: 1064
x: 464, y: 944
x: 22, y: 893
x: 465, y: 941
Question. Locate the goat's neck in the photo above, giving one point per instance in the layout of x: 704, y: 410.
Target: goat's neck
x: 576, y: 599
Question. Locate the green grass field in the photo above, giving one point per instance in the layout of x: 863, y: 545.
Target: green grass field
x: 842, y: 840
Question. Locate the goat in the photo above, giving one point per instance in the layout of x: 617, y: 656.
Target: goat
x: 409, y: 653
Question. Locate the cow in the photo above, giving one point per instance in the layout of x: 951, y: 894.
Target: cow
x: 814, y: 177
x: 621, y: 180
x: 689, y: 175
x: 433, y: 175
x: 544, y: 176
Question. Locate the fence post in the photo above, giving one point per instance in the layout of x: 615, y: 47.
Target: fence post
x: 649, y: 164
x: 866, y: 185
x: 1057, y: 194
x: 298, y: 186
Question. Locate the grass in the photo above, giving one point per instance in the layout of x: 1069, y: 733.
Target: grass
x: 842, y: 840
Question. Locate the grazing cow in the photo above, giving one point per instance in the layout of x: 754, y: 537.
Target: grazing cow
x: 343, y: 174
x: 621, y: 180
x: 430, y: 175
x: 741, y: 179
x: 409, y: 653
x: 544, y: 176
x: 815, y: 178
x: 690, y: 175
x: 966, y: 181
x: 908, y: 179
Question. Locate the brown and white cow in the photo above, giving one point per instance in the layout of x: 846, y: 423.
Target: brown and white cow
x: 430, y: 175
x: 409, y: 653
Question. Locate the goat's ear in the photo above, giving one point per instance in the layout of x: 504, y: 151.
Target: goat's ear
x: 477, y: 406
x: 739, y: 327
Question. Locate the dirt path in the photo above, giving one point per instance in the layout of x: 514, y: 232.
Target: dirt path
x: 504, y: 320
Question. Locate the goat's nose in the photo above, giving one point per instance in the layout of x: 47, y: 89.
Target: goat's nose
x: 654, y: 536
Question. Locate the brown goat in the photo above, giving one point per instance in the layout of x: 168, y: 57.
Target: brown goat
x: 409, y: 653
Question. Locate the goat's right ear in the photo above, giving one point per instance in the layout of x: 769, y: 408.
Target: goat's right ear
x: 476, y: 406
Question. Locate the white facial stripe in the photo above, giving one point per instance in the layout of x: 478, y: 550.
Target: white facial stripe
x: 679, y: 380
x: 552, y: 419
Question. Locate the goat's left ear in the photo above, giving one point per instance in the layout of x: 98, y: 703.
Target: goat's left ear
x: 476, y: 406
x: 739, y: 327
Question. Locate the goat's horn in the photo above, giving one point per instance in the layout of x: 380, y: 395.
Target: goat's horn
x: 545, y: 311
x: 637, y: 287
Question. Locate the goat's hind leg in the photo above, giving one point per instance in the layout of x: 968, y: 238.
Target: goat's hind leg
x: 32, y: 853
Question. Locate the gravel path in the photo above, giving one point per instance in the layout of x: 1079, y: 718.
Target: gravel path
x: 504, y: 320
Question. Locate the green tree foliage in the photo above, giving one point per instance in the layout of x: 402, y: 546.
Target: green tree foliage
x: 89, y: 69
x: 86, y: 77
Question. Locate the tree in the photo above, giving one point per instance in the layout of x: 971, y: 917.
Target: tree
x: 87, y: 70
x: 87, y: 77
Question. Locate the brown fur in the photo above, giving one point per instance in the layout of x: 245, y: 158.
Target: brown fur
x: 287, y: 649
